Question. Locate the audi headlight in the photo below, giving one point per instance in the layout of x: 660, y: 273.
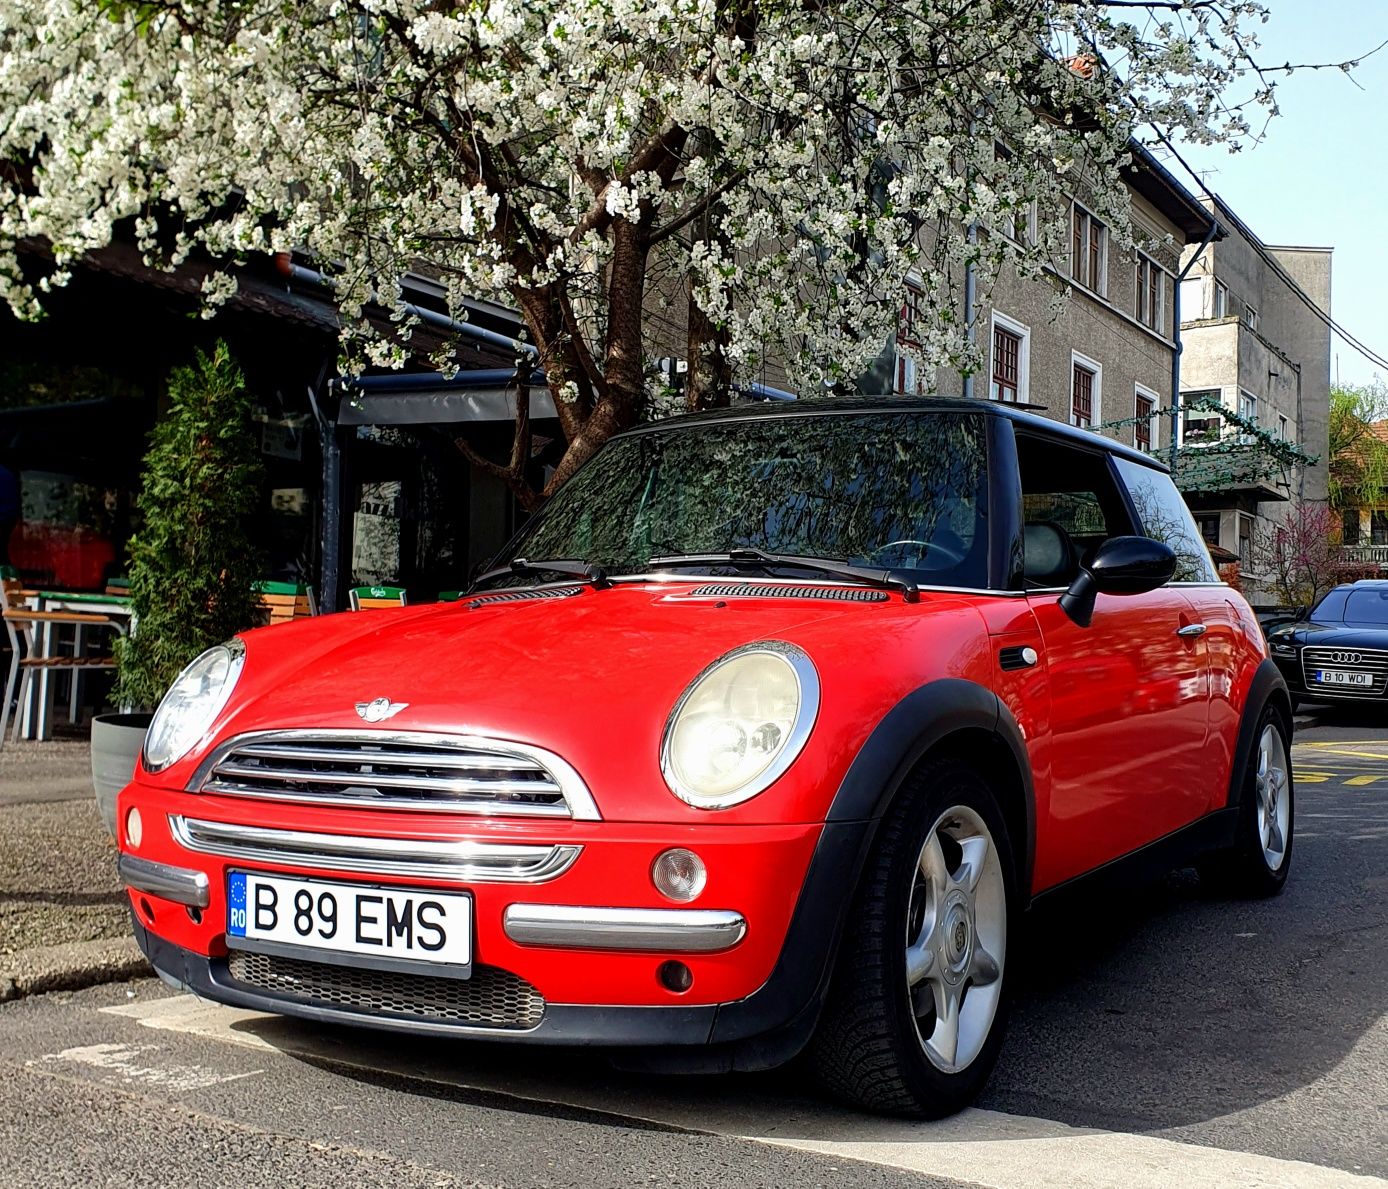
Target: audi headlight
x: 192, y: 704
x: 740, y: 725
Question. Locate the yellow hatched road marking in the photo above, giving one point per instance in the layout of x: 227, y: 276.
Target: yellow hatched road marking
x: 1312, y: 777
x: 1360, y: 781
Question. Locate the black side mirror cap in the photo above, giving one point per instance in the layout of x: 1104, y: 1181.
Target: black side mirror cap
x: 1120, y: 566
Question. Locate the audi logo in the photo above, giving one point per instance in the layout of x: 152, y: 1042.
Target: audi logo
x: 1345, y: 658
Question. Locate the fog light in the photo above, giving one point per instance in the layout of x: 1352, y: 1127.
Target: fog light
x: 134, y: 829
x: 675, y: 976
x: 679, y: 874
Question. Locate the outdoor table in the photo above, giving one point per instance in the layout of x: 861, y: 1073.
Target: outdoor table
x: 36, y: 715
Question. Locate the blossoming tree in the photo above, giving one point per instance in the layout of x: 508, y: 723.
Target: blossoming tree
x: 733, y: 181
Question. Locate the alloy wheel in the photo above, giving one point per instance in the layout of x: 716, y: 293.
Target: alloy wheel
x: 1273, y: 792
x: 956, y: 939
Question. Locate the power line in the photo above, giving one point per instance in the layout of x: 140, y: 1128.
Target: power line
x: 1272, y: 262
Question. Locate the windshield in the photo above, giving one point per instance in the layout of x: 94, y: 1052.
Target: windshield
x: 899, y: 491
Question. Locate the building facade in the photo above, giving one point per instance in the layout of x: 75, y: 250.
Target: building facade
x: 1256, y: 341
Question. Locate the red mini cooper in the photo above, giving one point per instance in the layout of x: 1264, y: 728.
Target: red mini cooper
x: 758, y: 740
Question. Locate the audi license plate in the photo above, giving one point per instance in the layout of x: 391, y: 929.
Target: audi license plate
x: 1341, y: 677
x: 346, y: 918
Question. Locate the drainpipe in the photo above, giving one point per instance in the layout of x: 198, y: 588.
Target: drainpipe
x: 970, y: 283
x: 307, y: 276
x: 1179, y: 345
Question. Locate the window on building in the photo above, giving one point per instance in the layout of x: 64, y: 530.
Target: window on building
x: 1017, y: 225
x: 1011, y: 348
x: 1246, y: 541
x: 1349, y: 526
x: 1378, y: 528
x: 1282, y: 428
x: 1200, y: 426
x: 1084, y: 392
x: 1219, y: 304
x: 1144, y: 423
x: 1150, y: 294
x: 1208, y: 524
x: 1088, y: 250
x: 1248, y: 410
x: 908, y: 325
x: 1250, y: 317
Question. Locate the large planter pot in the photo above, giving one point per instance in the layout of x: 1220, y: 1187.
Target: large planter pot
x: 116, y: 743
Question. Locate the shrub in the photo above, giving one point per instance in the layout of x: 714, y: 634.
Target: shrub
x: 192, y: 561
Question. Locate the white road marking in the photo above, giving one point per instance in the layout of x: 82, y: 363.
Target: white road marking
x: 984, y: 1148
x: 132, y: 1063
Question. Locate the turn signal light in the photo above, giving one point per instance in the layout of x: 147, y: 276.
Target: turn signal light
x: 679, y: 874
x: 134, y: 829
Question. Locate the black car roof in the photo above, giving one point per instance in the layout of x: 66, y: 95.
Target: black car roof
x: 834, y: 405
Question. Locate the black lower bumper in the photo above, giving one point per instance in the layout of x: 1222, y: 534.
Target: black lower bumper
x: 760, y: 1032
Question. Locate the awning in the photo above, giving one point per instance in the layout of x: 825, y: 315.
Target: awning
x: 486, y: 394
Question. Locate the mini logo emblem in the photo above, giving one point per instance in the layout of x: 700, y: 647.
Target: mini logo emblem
x: 379, y: 709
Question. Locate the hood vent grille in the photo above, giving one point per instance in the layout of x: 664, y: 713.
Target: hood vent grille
x: 515, y: 596
x: 833, y: 594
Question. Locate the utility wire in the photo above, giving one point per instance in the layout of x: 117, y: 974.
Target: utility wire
x: 1272, y: 262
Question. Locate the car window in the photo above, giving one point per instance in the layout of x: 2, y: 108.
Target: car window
x: 1367, y: 607
x: 1165, y: 517
x: 900, y: 491
x: 1331, y: 609
x: 1071, y: 504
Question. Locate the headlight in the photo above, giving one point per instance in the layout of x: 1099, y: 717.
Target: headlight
x: 192, y: 703
x: 740, y: 725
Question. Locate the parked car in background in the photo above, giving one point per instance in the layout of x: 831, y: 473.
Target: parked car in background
x: 760, y: 738
x: 1339, y: 651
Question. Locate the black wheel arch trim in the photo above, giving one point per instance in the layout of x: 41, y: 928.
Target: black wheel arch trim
x: 1268, y: 687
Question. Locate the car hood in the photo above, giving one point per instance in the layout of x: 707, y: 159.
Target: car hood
x: 591, y: 676
x: 1320, y: 635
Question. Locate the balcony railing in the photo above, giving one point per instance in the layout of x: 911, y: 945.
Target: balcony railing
x: 1372, y: 555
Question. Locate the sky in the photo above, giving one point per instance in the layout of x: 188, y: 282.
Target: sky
x: 1320, y: 174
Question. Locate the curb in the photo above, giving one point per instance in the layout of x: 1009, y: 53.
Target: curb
x: 70, y: 967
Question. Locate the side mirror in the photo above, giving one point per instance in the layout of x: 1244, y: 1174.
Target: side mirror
x: 1120, y: 566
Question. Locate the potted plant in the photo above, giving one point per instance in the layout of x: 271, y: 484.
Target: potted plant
x: 193, y: 563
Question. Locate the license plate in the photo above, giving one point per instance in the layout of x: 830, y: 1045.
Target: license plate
x: 411, y: 923
x: 1340, y: 677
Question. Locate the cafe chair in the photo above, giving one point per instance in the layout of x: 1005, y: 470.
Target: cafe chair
x: 372, y: 598
x: 280, y: 602
x: 30, y: 635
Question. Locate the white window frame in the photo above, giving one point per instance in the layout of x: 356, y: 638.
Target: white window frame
x: 905, y: 371
x: 1251, y: 560
x: 1181, y: 415
x: 1096, y: 410
x: 1156, y: 419
x: 1219, y: 299
x: 1101, y: 290
x: 1022, y: 331
x: 1248, y: 407
x: 1250, y: 316
x: 1163, y: 283
x: 1283, y: 424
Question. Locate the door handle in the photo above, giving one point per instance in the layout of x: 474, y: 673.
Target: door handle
x: 1191, y: 631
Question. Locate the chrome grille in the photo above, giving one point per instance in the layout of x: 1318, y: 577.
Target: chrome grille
x: 1351, y: 660
x: 381, y: 770
x: 491, y: 998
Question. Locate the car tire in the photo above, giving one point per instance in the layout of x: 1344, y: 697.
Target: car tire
x: 1258, y: 863
x: 937, y: 905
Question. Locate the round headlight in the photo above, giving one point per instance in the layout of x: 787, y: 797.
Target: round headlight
x: 740, y: 725
x: 192, y: 703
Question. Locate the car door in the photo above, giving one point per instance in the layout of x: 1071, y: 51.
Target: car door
x: 1129, y: 693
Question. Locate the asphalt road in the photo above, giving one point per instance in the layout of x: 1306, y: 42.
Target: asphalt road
x: 1161, y: 1037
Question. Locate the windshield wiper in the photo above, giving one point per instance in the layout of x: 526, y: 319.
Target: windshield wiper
x: 571, y: 567
x: 742, y: 558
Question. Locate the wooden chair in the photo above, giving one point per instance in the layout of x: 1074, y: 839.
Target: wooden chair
x: 374, y: 598
x: 280, y: 602
x: 29, y: 633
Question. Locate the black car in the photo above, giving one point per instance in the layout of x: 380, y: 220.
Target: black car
x: 1340, y: 650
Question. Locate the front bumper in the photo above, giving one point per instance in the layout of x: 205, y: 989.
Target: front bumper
x: 581, y: 948
x: 1293, y: 671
